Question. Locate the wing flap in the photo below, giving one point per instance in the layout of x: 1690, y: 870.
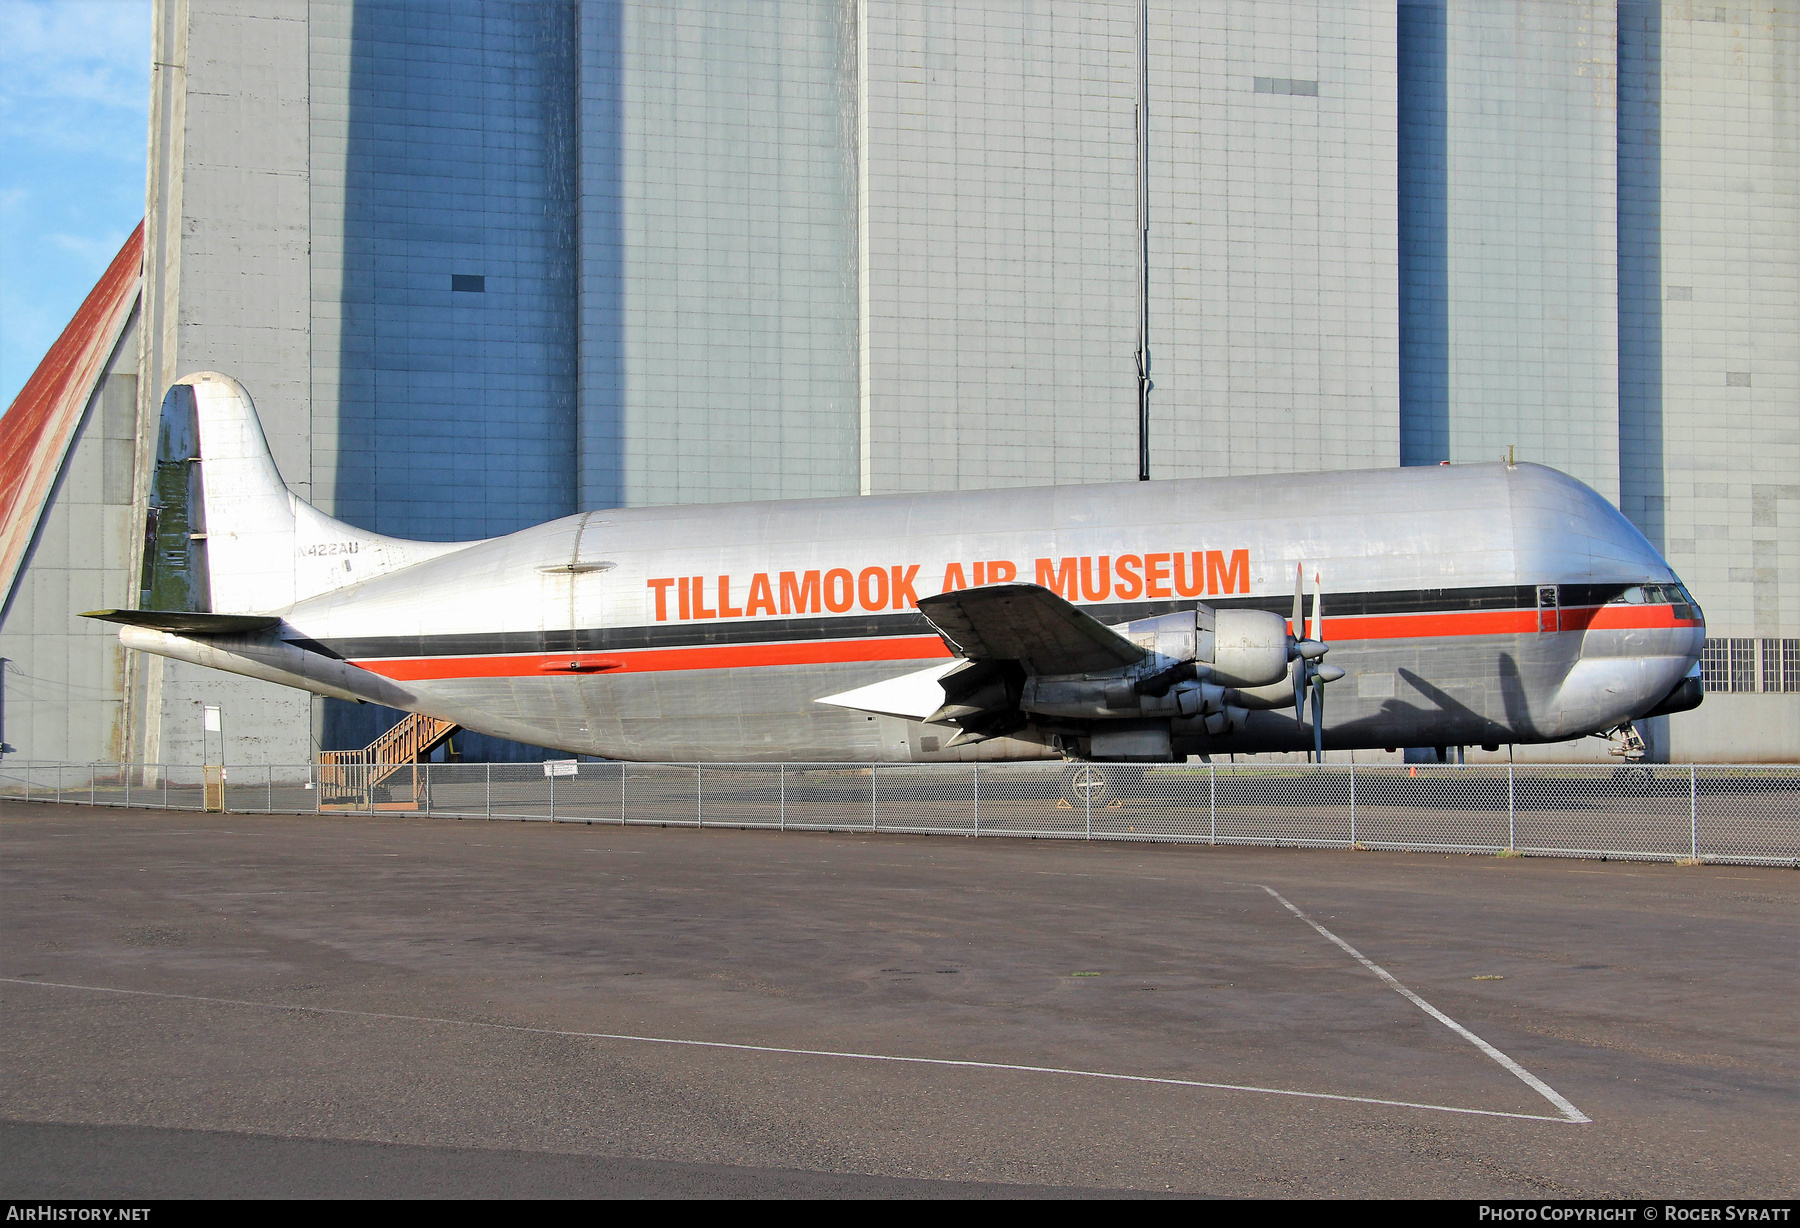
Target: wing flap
x: 1030, y: 624
x: 915, y: 696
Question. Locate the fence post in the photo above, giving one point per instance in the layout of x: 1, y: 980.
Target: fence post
x: 59, y: 772
x: 978, y: 798
x: 621, y: 793
x: 1512, y: 822
x: 783, y: 826
x: 269, y: 793
x: 1212, y: 799
x: 697, y: 803
x: 91, y: 785
x: 553, y: 797
x: 1353, y: 803
x: 1087, y: 804
x: 125, y: 780
x: 489, y: 788
x: 163, y: 771
x: 874, y: 775
x: 1693, y: 815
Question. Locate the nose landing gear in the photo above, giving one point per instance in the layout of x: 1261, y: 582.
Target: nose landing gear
x: 1627, y: 743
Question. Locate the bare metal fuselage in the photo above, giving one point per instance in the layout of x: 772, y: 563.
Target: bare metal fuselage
x: 1467, y: 605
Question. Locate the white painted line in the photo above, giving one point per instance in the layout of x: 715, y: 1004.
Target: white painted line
x: 1569, y: 1112
x: 719, y: 1044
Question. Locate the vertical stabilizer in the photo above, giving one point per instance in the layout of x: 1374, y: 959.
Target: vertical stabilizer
x: 265, y: 548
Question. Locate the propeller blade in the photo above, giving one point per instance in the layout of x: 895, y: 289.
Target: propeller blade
x: 1298, y: 673
x: 1318, y: 618
x: 1299, y: 601
x: 1318, y: 715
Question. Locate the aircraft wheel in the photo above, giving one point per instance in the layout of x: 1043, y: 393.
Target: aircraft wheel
x: 1085, y: 783
x: 1635, y: 778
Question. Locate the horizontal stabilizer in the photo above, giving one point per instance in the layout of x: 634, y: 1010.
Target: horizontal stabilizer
x: 1029, y: 624
x: 186, y: 622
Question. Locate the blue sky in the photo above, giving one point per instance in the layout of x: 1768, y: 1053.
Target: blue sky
x: 74, y: 114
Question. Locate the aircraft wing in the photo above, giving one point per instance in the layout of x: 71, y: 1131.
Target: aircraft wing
x: 1030, y: 624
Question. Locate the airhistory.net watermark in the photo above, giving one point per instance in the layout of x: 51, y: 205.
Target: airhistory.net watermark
x: 63, y: 1213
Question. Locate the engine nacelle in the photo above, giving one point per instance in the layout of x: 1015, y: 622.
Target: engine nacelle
x: 1197, y: 656
x: 1250, y: 648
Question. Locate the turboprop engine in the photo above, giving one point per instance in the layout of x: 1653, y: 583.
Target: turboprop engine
x: 1193, y: 661
x: 1124, y: 691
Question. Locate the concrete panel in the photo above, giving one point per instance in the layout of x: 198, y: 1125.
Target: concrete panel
x: 1274, y: 310
x: 1509, y: 217
x: 999, y: 258
x: 227, y: 278
x: 1737, y: 729
x: 718, y: 252
x: 65, y: 675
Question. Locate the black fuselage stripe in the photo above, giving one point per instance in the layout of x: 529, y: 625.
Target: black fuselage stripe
x: 881, y: 626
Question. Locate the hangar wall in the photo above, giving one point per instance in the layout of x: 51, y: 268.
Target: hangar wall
x: 1274, y: 244
x: 65, y: 676
x: 998, y: 198
x: 1001, y: 249
x: 718, y: 250
x: 1531, y: 260
x: 1717, y: 439
x: 443, y: 294
x: 747, y: 250
x: 226, y: 288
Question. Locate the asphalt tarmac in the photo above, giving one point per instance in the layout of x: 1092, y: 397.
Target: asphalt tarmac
x: 218, y: 1006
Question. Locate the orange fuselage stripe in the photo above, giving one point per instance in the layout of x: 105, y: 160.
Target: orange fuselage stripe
x: 660, y: 660
x: 1340, y: 631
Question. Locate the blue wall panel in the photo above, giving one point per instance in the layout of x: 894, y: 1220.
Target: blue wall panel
x: 457, y: 408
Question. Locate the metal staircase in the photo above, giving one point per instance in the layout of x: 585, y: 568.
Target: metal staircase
x: 384, y: 775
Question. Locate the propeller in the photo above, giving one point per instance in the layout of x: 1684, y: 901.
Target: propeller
x: 1308, y: 650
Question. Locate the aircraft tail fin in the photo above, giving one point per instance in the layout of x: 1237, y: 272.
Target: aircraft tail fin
x: 226, y: 535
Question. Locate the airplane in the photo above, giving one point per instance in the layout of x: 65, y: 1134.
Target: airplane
x: 1144, y: 622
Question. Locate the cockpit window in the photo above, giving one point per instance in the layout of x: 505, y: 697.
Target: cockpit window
x: 1675, y: 595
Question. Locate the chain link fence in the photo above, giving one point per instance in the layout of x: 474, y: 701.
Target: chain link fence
x: 1712, y: 813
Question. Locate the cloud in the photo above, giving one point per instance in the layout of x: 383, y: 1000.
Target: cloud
x: 74, y: 117
x: 97, y: 250
x: 73, y: 74
x: 92, y: 51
